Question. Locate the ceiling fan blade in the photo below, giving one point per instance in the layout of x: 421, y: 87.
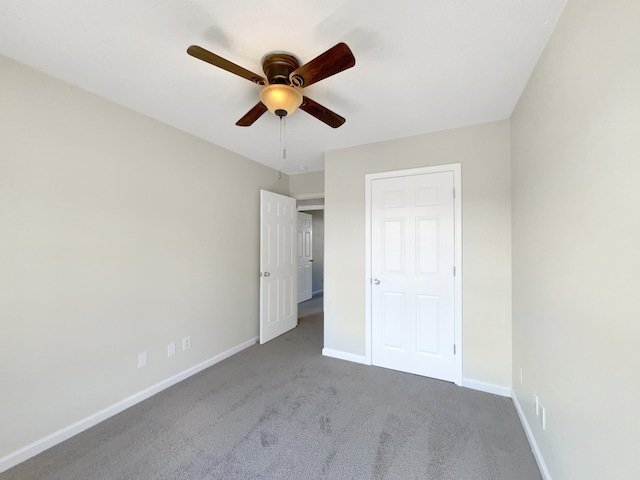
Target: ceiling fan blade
x: 252, y: 115
x: 321, y: 113
x: 218, y: 61
x: 333, y: 61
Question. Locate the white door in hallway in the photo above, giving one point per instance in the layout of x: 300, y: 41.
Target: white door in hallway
x: 304, y: 248
x: 412, y: 270
x: 278, y: 286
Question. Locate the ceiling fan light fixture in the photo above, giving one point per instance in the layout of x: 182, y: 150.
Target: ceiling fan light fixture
x: 281, y: 99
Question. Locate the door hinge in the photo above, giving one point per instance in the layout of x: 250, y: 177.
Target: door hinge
x: 454, y: 348
x: 454, y: 193
x: 454, y: 270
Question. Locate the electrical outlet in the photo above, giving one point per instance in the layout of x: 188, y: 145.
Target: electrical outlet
x: 142, y: 360
x: 186, y: 343
x: 171, y: 349
x: 543, y: 416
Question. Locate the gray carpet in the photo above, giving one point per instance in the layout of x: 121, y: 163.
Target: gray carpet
x: 282, y: 411
x: 311, y: 307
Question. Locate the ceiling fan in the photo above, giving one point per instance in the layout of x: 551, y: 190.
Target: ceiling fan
x: 284, y: 79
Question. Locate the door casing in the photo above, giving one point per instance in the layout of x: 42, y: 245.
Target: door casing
x: 456, y: 168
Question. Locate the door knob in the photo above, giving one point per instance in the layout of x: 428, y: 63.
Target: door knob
x: 267, y: 274
x: 376, y: 281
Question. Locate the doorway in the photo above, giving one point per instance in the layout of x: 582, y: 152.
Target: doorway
x: 313, y: 205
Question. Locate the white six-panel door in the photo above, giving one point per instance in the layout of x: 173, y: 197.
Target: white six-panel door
x: 305, y: 244
x: 412, y: 274
x: 278, y: 286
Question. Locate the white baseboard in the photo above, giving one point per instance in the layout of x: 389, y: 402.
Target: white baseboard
x: 28, y: 451
x: 544, y: 471
x: 486, y: 387
x: 350, y: 357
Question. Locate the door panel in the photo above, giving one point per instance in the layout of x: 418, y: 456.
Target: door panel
x: 427, y: 324
x: 427, y: 246
x: 393, y: 244
x: 412, y: 289
x: 393, y: 312
x: 278, y: 306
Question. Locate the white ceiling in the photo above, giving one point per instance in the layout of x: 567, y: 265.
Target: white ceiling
x: 421, y: 65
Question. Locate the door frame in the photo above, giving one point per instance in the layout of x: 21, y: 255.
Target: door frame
x: 456, y: 168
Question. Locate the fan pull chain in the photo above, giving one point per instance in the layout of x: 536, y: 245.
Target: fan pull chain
x: 280, y: 149
x: 283, y: 137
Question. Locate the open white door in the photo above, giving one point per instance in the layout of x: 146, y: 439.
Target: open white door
x: 278, y: 286
x: 305, y: 249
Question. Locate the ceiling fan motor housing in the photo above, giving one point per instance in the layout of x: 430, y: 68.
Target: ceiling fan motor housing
x: 278, y: 66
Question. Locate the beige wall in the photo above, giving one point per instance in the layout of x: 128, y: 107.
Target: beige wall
x: 484, y: 152
x: 306, y: 183
x: 118, y: 235
x: 576, y: 235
